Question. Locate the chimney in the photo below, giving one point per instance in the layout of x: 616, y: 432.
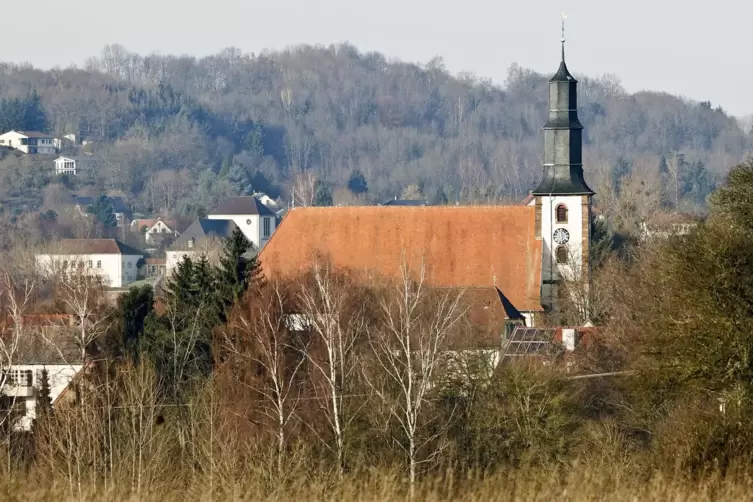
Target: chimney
x: 569, y: 339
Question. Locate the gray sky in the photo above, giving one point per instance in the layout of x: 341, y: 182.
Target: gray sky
x: 689, y: 47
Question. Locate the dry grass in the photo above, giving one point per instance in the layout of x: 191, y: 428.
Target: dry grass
x: 577, y: 486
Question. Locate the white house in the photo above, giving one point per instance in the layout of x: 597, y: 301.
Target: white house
x: 203, y: 237
x: 45, y: 342
x: 30, y: 142
x: 116, y: 263
x: 154, y: 228
x: 66, y: 165
x: 255, y: 220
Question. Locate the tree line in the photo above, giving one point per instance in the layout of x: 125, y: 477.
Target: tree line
x: 176, y: 134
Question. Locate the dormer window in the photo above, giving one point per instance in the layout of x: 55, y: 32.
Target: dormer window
x: 561, y: 213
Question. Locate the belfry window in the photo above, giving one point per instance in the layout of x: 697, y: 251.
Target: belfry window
x: 561, y: 213
x: 562, y: 254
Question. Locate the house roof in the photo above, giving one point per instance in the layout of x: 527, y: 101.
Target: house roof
x: 150, y: 222
x: 405, y: 202
x: 96, y: 246
x: 36, y: 134
x: 461, y: 246
x: 201, y: 229
x: 46, y: 340
x: 241, y: 205
x: 528, y: 341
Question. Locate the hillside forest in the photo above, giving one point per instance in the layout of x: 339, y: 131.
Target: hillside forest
x: 332, y: 125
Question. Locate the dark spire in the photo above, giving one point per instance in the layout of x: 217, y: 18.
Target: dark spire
x: 563, y: 145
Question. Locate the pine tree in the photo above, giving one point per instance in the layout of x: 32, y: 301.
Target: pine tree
x: 104, y: 211
x: 43, y: 406
x: 322, y: 194
x: 236, y: 271
x: 357, y: 182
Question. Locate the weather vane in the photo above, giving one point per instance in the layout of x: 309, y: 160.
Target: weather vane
x: 564, y: 16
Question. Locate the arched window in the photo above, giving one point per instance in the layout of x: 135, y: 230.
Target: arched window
x: 561, y: 213
x: 562, y: 254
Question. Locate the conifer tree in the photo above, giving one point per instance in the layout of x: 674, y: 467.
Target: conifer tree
x: 237, y: 271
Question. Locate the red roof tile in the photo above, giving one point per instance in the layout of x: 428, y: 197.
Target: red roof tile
x: 462, y: 246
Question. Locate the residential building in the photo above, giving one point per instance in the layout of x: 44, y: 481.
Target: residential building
x: 152, y: 268
x: 45, y: 342
x: 203, y: 237
x: 119, y: 208
x: 116, y: 263
x: 66, y: 165
x: 154, y: 229
x: 255, y: 220
x: 33, y: 142
x: 510, y: 260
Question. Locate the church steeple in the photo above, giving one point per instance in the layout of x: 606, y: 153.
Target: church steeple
x: 563, y: 145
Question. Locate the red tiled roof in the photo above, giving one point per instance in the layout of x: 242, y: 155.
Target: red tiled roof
x: 95, y: 246
x: 461, y: 246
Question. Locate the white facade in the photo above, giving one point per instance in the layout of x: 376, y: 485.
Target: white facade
x: 257, y: 229
x: 565, y: 241
x: 32, y: 143
x: 116, y: 270
x: 159, y: 228
x: 65, y: 165
x: 23, y: 383
x: 211, y: 248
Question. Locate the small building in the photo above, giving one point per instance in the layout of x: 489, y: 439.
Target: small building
x: 66, y: 165
x: 154, y: 229
x: 255, y: 220
x: 152, y: 268
x: 203, y: 237
x: 115, y: 262
x: 46, y: 342
x: 32, y: 142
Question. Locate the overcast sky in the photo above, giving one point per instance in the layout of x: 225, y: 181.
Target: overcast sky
x: 693, y: 48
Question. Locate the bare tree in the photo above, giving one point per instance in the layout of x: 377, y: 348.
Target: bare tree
x: 268, y: 329
x: 336, y: 323
x: 409, y: 352
x: 84, y: 296
x: 17, y: 295
x: 302, y: 188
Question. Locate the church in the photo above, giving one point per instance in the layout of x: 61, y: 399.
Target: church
x: 510, y: 260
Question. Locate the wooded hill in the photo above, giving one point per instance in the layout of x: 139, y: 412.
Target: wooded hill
x: 175, y: 134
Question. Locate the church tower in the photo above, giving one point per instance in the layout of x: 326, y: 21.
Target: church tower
x: 563, y: 199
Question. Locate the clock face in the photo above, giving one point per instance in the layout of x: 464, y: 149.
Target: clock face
x: 561, y: 236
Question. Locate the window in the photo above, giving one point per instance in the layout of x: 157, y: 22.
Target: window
x: 22, y: 378
x: 561, y: 213
x: 267, y: 227
x: 562, y: 254
x: 129, y: 264
x: 191, y: 242
x: 99, y: 263
x: 90, y: 263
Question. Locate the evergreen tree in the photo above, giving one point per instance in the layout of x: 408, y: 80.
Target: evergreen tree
x: 104, y: 211
x: 236, y: 270
x: 134, y: 306
x: 322, y: 194
x: 43, y: 408
x: 620, y: 170
x: 357, y: 182
x: 34, y: 117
